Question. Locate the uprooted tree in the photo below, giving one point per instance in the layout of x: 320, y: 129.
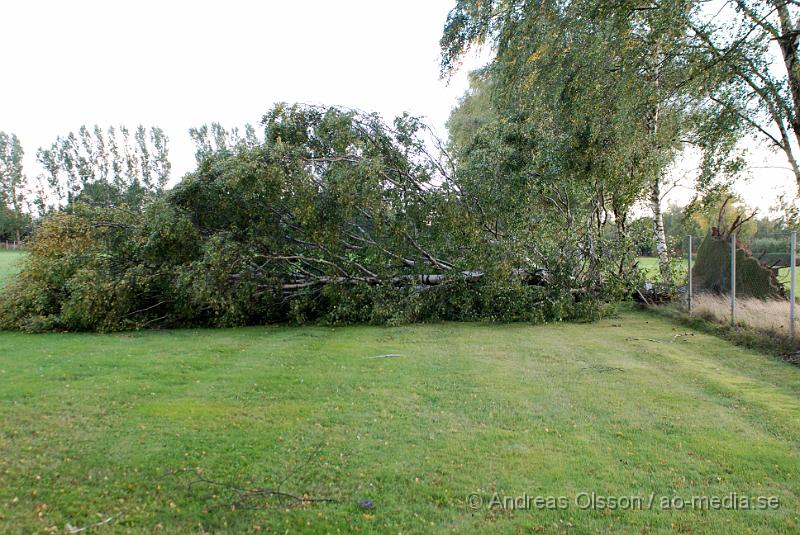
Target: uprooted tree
x: 712, y: 269
x: 336, y: 216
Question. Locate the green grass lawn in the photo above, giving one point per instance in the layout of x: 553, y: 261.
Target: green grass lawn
x: 9, y: 264
x: 784, y: 276
x: 95, y: 426
x: 648, y: 264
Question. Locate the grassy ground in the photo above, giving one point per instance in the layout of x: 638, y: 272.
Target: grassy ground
x: 649, y: 264
x: 9, y: 263
x: 784, y: 275
x: 95, y: 426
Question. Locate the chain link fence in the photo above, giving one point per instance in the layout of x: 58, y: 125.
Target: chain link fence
x: 743, y: 281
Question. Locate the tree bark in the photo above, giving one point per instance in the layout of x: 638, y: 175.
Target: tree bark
x: 659, y: 236
x: 788, y: 40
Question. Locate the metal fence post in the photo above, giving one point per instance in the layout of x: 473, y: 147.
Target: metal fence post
x: 792, y: 267
x: 733, y: 280
x: 689, y: 291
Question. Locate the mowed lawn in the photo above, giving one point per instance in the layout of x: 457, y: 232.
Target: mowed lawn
x: 180, y: 431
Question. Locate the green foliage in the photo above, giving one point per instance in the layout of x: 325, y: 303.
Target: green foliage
x: 601, y: 96
x: 772, y: 251
x: 749, y: 49
x: 15, y: 224
x: 32, y: 300
x: 115, y: 167
x: 474, y: 111
x: 641, y: 232
x: 335, y: 217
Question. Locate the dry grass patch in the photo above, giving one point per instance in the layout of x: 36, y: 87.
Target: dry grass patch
x: 769, y: 316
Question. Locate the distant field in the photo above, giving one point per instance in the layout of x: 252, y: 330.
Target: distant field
x: 784, y: 276
x: 9, y: 264
x: 649, y: 264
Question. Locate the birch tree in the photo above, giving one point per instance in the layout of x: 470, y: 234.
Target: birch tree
x: 633, y: 83
x: 753, y: 46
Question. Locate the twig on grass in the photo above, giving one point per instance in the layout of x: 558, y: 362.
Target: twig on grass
x: 387, y: 356
x: 671, y: 340
x: 69, y: 528
x: 244, y: 495
x: 603, y: 369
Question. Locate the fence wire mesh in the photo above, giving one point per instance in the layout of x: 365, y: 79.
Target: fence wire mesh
x: 742, y: 280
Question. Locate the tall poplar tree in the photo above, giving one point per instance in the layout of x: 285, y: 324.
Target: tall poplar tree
x: 12, y: 179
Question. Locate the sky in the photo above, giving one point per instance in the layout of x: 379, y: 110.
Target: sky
x: 180, y: 64
x: 177, y: 65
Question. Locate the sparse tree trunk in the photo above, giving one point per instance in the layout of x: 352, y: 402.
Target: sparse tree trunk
x: 660, y: 237
x: 788, y: 39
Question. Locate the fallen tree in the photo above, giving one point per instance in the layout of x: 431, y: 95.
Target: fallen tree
x: 712, y: 269
x: 337, y: 217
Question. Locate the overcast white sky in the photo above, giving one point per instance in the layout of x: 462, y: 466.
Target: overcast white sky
x: 179, y: 64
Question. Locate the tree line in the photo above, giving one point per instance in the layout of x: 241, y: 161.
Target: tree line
x: 100, y: 167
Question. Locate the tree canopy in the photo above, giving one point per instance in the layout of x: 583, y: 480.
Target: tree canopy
x: 333, y: 214
x: 607, y: 93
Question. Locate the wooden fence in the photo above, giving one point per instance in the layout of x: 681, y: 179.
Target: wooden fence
x: 12, y: 245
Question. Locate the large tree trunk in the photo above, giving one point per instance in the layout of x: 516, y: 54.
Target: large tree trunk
x: 789, y: 42
x: 659, y: 236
